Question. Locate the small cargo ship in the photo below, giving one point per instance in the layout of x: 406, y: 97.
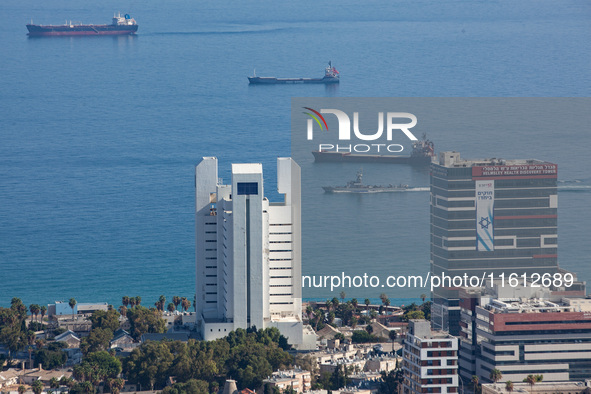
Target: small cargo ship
x: 357, y: 186
x: 422, y: 154
x: 331, y: 75
x: 120, y: 25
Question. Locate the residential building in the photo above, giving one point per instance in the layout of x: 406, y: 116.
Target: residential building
x: 521, y: 335
x: 379, y: 364
x: 539, y: 388
x: 489, y: 216
x: 248, y: 252
x: 122, y: 339
x: 9, y: 377
x: 44, y: 376
x: 298, y: 379
x: 355, y: 364
x: 430, y: 360
x: 61, y: 308
x: 70, y: 338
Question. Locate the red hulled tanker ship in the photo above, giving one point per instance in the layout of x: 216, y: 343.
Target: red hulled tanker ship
x: 121, y: 25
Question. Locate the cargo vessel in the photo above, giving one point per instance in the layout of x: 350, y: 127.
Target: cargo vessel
x: 331, y: 75
x: 357, y: 186
x: 422, y: 154
x: 120, y: 25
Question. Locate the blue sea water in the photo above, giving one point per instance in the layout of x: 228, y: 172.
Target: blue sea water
x: 99, y: 135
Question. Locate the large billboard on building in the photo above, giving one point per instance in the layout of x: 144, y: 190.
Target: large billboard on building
x: 529, y: 171
x: 485, y: 202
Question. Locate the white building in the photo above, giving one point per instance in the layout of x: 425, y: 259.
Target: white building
x: 248, y: 252
x: 430, y: 360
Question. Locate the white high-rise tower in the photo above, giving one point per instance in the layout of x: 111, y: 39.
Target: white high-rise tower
x: 248, y: 252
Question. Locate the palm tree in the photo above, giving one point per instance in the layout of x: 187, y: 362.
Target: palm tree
x: 118, y: 385
x: 495, y: 375
x: 423, y: 296
x: 393, y: 335
x: 43, y: 312
x: 176, y: 301
x: 531, y: 380
x: 335, y: 303
x: 138, y: 300
x: 328, y: 305
x: 509, y: 386
x: 383, y: 296
x: 387, y: 302
x: 123, y: 310
x: 475, y: 382
x: 37, y: 386
x: 34, y: 308
x: 162, y: 302
x: 343, y: 295
x: 185, y: 303
x: 353, y: 322
x: 354, y: 302
x: 68, y: 382
x: 171, y: 308
x: 72, y: 304
x: 54, y: 383
x: 132, y: 301
x: 125, y: 301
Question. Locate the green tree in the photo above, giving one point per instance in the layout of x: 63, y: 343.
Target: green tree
x: 367, y: 302
x: 143, y: 320
x: 97, y: 340
x: 390, y: 381
x: 509, y: 386
x: 117, y: 385
x: 72, y: 304
x: 339, y: 336
x: 355, y: 303
x: 475, y: 382
x: 82, y: 388
x: 392, y: 335
x: 185, y: 303
x: 362, y: 336
x: 413, y: 315
x: 171, y: 308
x: 105, y: 319
x: 50, y: 359
x: 140, y: 367
x: 123, y: 310
x: 43, y: 311
x: 339, y: 378
x: 54, y: 383
x: 176, y: 300
x: 190, y: 387
x: 161, y: 302
x: 22, y: 389
x: 125, y: 301
x: 37, y: 387
x: 495, y: 375
x: 369, y: 329
x: 35, y: 309
x: 531, y: 380
x: 106, y: 365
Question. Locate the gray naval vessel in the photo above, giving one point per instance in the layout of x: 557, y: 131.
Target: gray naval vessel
x: 357, y: 186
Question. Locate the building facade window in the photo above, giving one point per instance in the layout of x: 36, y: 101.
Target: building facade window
x: 247, y: 188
